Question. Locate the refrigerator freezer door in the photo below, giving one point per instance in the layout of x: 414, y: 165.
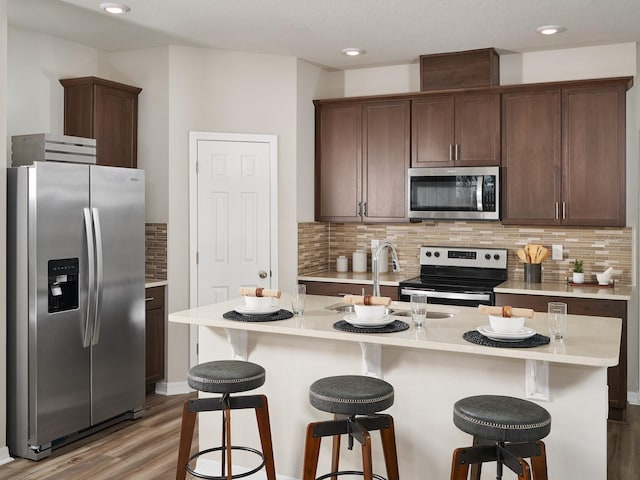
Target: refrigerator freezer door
x: 59, y: 365
x: 118, y: 368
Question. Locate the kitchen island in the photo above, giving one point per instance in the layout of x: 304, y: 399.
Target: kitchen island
x: 430, y: 369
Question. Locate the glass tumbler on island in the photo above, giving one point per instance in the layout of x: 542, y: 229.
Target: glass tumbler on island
x: 298, y: 293
x: 418, y: 309
x: 557, y: 317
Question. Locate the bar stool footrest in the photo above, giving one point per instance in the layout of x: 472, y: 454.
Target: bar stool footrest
x: 349, y: 472
x: 224, y: 476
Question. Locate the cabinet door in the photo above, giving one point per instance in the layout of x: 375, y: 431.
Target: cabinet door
x: 386, y: 160
x: 531, y: 155
x: 432, y: 131
x: 154, y: 335
x: 593, y: 155
x: 338, y: 162
x: 477, y: 130
x: 115, y: 127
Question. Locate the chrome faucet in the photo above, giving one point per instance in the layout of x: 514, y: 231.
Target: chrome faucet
x: 376, y: 269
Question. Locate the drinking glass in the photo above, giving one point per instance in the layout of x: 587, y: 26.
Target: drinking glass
x: 298, y: 293
x: 557, y: 317
x: 418, y: 309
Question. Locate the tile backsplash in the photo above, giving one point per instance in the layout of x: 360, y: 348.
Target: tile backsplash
x: 155, y: 251
x: 320, y: 243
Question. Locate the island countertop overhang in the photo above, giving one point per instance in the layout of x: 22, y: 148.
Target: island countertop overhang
x: 591, y: 341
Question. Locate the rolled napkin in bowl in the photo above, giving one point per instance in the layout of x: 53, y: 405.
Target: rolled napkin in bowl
x: 367, y: 300
x: 259, y: 292
x: 506, y: 311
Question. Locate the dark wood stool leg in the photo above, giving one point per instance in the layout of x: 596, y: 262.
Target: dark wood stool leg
x: 388, y: 437
x: 311, y: 454
x: 335, y: 456
x: 539, y: 463
x: 526, y: 472
x: 186, y: 437
x: 459, y: 471
x: 264, y: 427
x: 367, y: 463
x: 476, y: 468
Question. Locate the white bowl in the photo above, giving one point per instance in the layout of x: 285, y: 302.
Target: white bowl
x: 603, y: 279
x: 502, y: 324
x: 258, y: 303
x: 369, y: 313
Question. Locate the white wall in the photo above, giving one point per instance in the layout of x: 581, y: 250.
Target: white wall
x: 4, y: 452
x: 149, y: 70
x: 232, y: 92
x: 35, y: 64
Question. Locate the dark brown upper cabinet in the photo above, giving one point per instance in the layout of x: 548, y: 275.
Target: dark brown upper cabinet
x: 107, y: 111
x: 455, y: 130
x: 564, y: 154
x: 362, y: 157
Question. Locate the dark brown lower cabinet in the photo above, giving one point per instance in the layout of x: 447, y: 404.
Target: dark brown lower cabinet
x: 155, y: 327
x: 332, y: 289
x: 616, y: 376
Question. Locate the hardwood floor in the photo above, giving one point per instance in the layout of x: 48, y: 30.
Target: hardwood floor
x: 623, y: 445
x: 146, y: 449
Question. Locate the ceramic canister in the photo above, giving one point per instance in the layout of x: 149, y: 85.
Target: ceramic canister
x: 359, y: 261
x: 342, y: 264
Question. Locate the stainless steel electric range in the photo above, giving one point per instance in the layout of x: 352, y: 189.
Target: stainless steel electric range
x: 458, y: 276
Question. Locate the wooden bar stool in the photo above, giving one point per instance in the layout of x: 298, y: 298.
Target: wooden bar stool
x: 505, y: 430
x: 355, y: 401
x: 225, y: 377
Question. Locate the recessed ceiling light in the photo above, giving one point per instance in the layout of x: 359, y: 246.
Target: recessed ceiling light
x: 353, y: 52
x: 550, y: 29
x: 114, y: 8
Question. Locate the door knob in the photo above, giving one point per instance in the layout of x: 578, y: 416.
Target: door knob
x: 263, y: 274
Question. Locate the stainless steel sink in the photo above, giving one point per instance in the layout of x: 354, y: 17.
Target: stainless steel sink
x: 346, y: 308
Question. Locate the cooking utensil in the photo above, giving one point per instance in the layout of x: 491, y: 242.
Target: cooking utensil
x: 522, y: 255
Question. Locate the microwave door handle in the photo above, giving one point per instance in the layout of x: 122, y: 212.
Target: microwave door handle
x: 479, y: 193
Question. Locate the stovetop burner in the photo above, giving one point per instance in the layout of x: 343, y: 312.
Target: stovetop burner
x: 449, y: 271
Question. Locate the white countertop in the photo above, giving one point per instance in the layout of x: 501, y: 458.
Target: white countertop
x: 149, y: 283
x: 590, y: 341
x: 565, y: 290
x: 390, y: 279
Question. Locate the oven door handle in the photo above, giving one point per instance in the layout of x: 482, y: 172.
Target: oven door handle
x: 450, y: 295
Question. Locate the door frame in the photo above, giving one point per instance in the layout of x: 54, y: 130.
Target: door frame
x: 194, y: 138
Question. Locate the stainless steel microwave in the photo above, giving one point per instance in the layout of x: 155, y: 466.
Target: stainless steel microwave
x: 462, y: 193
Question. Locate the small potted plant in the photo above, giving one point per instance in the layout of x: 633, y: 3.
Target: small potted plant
x: 578, y: 272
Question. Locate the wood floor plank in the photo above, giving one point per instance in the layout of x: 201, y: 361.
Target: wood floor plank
x: 147, y: 449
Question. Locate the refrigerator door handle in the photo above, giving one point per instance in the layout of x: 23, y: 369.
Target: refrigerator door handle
x: 99, y: 276
x: 91, y: 255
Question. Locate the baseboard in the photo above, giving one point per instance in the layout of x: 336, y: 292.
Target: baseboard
x: 4, y: 455
x: 212, y: 468
x: 173, y: 388
x: 633, y: 398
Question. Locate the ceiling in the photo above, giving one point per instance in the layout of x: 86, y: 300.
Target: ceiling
x: 391, y: 31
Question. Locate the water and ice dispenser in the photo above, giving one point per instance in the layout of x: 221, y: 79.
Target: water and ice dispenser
x: 63, y: 284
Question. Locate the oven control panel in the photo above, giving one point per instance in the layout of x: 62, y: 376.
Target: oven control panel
x: 464, y: 257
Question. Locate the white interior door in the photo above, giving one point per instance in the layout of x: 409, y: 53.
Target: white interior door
x: 233, y: 215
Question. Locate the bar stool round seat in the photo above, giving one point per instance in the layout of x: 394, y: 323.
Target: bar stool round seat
x: 225, y: 377
x: 355, y: 402
x: 505, y: 430
x: 351, y: 395
x: 502, y: 419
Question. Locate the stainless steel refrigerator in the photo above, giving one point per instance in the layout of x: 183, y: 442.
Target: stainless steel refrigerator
x: 76, y: 314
